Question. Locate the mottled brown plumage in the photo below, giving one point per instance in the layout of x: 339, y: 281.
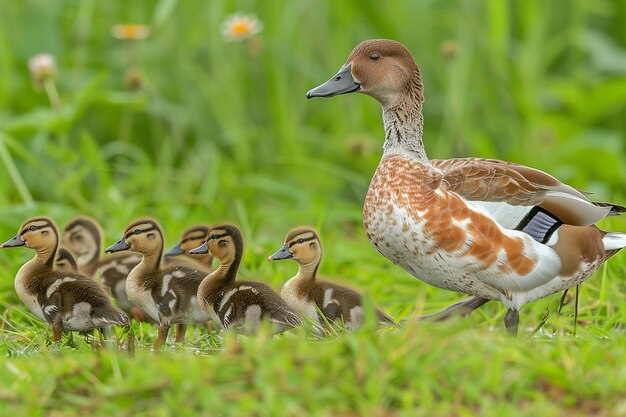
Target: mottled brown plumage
x: 488, y: 228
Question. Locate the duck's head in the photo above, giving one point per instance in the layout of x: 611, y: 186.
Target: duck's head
x: 65, y: 261
x: 381, y: 68
x: 223, y: 242
x: 143, y: 235
x: 82, y: 236
x: 302, y: 245
x: 190, y: 239
x: 39, y: 233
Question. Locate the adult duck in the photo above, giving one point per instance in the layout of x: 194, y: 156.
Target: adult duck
x: 488, y: 228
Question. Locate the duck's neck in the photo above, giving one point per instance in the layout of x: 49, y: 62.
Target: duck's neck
x: 403, y: 122
x: 43, y: 260
x: 150, y: 262
x: 226, y: 274
x: 307, y: 272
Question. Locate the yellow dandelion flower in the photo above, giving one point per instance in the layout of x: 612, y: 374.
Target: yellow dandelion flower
x: 130, y: 31
x: 239, y: 26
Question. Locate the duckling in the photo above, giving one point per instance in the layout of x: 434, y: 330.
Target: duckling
x: 310, y: 296
x: 238, y: 304
x: 166, y: 293
x: 82, y: 236
x: 65, y: 262
x: 67, y: 300
x: 491, y: 229
x: 191, y: 239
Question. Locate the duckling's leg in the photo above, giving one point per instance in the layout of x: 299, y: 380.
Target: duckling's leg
x: 511, y: 321
x: 462, y: 308
x: 180, y: 333
x: 57, y: 333
x: 164, y: 329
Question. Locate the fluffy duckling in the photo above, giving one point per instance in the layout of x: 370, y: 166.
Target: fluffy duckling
x: 239, y: 304
x: 166, y: 293
x: 308, y: 295
x: 191, y: 239
x: 82, y: 236
x: 65, y: 262
x: 491, y: 229
x: 67, y: 300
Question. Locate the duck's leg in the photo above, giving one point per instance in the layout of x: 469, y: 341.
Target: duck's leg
x: 462, y: 308
x: 562, y: 302
x: 164, y: 329
x: 511, y: 321
x: 180, y: 333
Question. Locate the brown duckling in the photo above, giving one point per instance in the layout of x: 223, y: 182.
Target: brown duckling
x: 65, y: 261
x: 166, y: 293
x: 67, y: 300
x: 310, y: 296
x: 191, y: 239
x: 83, y: 237
x: 242, y: 305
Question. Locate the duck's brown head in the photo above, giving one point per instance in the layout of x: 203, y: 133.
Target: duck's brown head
x: 190, y: 239
x: 302, y: 245
x: 82, y: 236
x: 224, y: 242
x: 143, y: 235
x: 381, y: 68
x: 39, y: 233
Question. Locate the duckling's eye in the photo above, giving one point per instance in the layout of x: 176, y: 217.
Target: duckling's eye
x: 222, y: 243
x: 137, y: 231
x: 374, y: 56
x: 32, y: 228
x: 300, y: 240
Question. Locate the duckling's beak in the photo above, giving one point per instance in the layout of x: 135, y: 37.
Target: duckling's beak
x: 282, y: 253
x: 174, y: 251
x: 118, y: 246
x: 341, y: 83
x: 13, y: 242
x: 202, y: 249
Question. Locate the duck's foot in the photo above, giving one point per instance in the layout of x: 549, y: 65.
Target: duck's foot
x: 462, y: 308
x: 511, y: 322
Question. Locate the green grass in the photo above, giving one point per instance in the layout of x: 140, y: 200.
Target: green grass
x: 222, y: 131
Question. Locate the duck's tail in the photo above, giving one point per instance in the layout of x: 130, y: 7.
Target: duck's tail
x: 111, y: 316
x: 614, y: 241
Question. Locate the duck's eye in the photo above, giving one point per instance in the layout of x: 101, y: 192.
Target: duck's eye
x: 374, y: 56
x: 137, y: 231
x: 32, y: 228
x: 300, y: 240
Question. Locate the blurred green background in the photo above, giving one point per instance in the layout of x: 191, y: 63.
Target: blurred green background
x: 189, y: 127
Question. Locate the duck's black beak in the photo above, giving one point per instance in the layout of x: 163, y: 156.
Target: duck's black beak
x: 202, y: 249
x: 174, y: 251
x: 13, y: 242
x: 118, y: 246
x: 341, y: 83
x: 282, y: 253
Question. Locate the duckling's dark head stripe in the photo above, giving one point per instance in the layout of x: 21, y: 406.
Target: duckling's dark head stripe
x: 302, y: 240
x: 140, y: 231
x: 88, y: 224
x: 300, y: 231
x: 32, y: 227
x: 199, y: 229
x: 540, y: 224
x: 229, y: 230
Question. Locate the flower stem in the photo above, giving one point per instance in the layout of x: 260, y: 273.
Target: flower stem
x: 53, y: 94
x: 18, y: 181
